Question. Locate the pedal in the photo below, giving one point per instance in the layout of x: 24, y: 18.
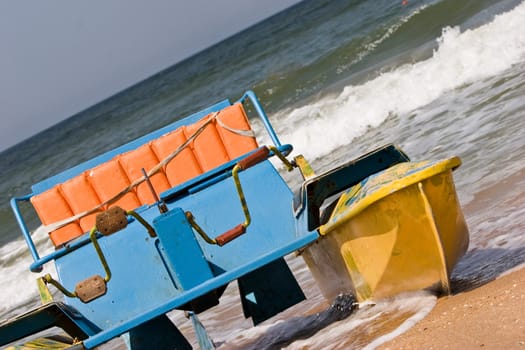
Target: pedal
x: 112, y: 220
x: 91, y: 288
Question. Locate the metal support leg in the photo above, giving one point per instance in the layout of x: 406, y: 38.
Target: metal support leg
x: 158, y: 333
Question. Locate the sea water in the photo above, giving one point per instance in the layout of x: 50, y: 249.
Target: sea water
x: 337, y: 78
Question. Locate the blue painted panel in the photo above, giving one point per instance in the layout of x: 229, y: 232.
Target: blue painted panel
x: 139, y: 280
x: 142, y: 288
x: 201, y: 289
x: 181, y: 249
x: 217, y: 209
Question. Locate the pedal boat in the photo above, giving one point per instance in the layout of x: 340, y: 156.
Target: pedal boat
x: 397, y: 230
x: 167, y: 221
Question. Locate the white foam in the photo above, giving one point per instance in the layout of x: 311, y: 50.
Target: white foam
x: 346, y: 333
x: 370, y: 47
x: 461, y: 58
x: 18, y: 282
x: 422, y: 304
x: 251, y: 334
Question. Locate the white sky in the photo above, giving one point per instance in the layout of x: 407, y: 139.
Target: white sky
x: 58, y: 57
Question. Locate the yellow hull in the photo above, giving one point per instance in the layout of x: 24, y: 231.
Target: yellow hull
x: 399, y: 230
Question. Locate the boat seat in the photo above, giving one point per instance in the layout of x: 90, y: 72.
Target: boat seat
x: 223, y: 139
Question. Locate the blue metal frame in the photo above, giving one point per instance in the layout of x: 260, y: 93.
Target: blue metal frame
x: 178, y: 267
x: 23, y: 226
x: 260, y: 111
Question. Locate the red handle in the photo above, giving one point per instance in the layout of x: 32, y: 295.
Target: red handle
x: 256, y: 157
x: 230, y: 235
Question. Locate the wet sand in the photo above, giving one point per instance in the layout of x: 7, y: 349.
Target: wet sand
x: 491, y: 316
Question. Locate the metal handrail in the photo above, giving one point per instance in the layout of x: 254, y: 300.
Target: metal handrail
x: 262, y: 114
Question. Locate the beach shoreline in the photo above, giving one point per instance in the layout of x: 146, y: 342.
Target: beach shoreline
x: 491, y: 316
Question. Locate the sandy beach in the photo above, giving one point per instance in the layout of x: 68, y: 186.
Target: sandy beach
x: 488, y: 317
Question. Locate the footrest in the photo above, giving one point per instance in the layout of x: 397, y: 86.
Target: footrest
x: 91, y: 288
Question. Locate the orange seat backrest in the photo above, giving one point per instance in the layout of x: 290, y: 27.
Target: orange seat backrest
x: 81, y: 197
x: 52, y: 207
x: 108, y: 180
x: 207, y: 148
x: 222, y: 140
x: 184, y: 166
x: 235, y: 144
x: 143, y: 158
